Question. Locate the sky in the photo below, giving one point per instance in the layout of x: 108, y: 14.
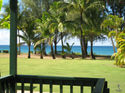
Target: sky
x: 5, y: 37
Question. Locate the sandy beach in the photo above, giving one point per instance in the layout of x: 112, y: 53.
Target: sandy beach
x: 6, y: 55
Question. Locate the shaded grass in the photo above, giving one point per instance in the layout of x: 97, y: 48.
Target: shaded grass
x: 71, y: 68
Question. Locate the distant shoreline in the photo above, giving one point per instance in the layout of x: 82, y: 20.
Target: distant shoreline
x: 98, y: 50
x: 60, y: 45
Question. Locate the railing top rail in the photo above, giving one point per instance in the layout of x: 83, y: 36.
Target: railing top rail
x: 6, y: 78
x: 57, y: 80
x: 56, y: 77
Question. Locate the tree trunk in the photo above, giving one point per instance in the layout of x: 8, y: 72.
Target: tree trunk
x: 29, y: 50
x: 34, y: 51
x: 41, y: 52
x: 82, y: 49
x: 84, y: 46
x: 52, y: 52
x: 55, y: 44
x: 19, y: 44
x: 63, y: 55
x: 113, y: 45
x: 92, y: 55
x: 81, y: 40
x: 44, y: 48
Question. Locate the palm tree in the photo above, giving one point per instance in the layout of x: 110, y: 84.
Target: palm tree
x: 42, y: 36
x: 82, y: 6
x: 111, y: 24
x: 19, y: 28
x: 46, y: 32
x: 59, y: 23
x: 27, y: 30
x: 68, y: 49
x: 93, y: 29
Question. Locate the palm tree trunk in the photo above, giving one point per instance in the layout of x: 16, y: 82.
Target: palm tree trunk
x: 41, y: 52
x: 55, y: 44
x: 44, y: 48
x: 29, y: 50
x: 63, y: 55
x: 81, y: 40
x: 92, y: 55
x: 52, y: 52
x: 34, y: 51
x: 82, y: 49
x: 84, y: 46
x: 19, y: 43
x: 113, y: 45
x: 41, y: 55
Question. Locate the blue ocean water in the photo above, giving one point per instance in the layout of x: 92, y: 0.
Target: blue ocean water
x: 98, y: 50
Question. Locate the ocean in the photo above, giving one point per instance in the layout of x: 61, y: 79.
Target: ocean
x: 98, y: 50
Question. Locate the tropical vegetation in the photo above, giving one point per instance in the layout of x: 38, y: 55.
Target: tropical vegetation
x: 47, y: 22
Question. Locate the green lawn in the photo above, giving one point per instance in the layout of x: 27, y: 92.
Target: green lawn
x: 72, y: 68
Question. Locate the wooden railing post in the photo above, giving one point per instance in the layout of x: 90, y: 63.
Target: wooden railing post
x: 106, y: 89
x: 13, y: 87
x: 1, y: 88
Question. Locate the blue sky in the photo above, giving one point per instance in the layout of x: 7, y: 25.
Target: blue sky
x: 5, y: 35
x: 5, y: 1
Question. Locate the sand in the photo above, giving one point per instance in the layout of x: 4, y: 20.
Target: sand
x: 49, y: 57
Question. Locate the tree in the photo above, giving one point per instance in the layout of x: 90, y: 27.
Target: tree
x: 27, y: 30
x: 41, y: 33
x: 46, y: 32
x: 5, y: 17
x: 120, y: 55
x: 68, y: 49
x: 93, y: 28
x: 82, y: 6
x: 59, y: 23
x: 1, y: 4
x: 113, y: 23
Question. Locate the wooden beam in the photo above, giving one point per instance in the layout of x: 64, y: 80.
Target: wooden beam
x: 13, y: 37
x: 13, y: 43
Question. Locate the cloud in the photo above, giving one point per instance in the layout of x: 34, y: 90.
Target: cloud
x: 4, y: 37
x: 95, y: 43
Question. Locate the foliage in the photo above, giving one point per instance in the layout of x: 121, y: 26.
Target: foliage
x: 68, y: 48
x: 50, y: 21
x: 1, y: 4
x: 120, y: 55
x: 4, y: 20
x: 113, y: 23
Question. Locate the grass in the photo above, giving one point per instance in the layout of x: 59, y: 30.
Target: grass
x: 71, y: 68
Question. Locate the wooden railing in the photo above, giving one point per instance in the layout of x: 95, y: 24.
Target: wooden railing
x: 6, y: 83
x: 97, y: 85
